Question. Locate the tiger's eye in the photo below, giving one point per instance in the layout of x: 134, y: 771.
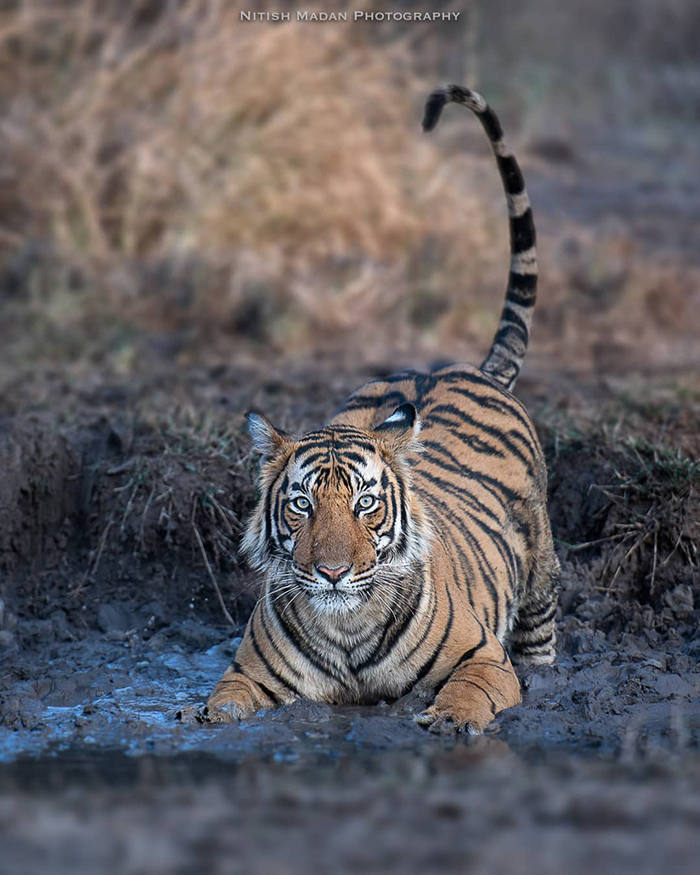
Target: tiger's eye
x: 366, y: 501
x: 301, y: 503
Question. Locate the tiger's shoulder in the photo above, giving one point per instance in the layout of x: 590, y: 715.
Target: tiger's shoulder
x: 459, y: 406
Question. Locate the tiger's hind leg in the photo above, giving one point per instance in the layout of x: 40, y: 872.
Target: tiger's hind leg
x: 533, y: 637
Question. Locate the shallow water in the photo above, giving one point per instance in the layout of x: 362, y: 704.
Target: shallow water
x: 96, y: 708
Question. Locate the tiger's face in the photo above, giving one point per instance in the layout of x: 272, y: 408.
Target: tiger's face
x: 336, y: 518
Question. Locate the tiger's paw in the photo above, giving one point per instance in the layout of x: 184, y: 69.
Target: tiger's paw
x: 226, y: 712
x: 453, y: 711
x: 235, y: 698
x: 441, y: 721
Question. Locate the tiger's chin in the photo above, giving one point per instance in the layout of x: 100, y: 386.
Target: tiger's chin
x: 335, y: 603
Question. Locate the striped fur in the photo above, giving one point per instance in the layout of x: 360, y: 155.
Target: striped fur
x: 505, y: 358
x: 405, y: 546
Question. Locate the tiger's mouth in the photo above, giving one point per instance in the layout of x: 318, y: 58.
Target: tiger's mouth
x: 350, y: 584
x: 335, y: 602
x: 344, y: 596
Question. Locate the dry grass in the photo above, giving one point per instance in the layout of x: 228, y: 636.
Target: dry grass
x: 654, y: 502
x: 184, y: 164
x: 629, y: 475
x: 604, y: 303
x: 168, y: 171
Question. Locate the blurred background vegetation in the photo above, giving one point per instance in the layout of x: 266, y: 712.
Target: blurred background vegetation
x: 178, y: 185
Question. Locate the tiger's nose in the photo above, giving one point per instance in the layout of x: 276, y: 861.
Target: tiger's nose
x: 332, y: 574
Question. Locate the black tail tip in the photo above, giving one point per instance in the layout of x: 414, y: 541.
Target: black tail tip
x: 433, y: 109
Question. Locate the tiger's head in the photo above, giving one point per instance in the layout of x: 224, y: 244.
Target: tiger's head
x: 337, y: 515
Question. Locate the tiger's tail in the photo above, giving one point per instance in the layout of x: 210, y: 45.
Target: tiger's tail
x: 505, y: 358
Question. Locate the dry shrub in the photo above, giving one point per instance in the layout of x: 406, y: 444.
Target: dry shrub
x: 197, y: 167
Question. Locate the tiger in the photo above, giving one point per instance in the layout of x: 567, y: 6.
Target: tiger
x: 405, y: 548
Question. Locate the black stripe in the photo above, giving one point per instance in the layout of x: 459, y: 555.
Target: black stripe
x: 427, y: 666
x: 491, y: 124
x: 511, y: 175
x: 527, y: 649
x: 416, y: 647
x: 433, y: 109
x: 516, y: 298
x: 280, y: 655
x: 270, y: 694
x: 467, y: 655
x: 322, y: 455
x: 527, y: 444
x: 300, y: 643
x: 524, y: 285
x: 515, y: 321
x: 535, y: 642
x: 267, y: 515
x: 494, y: 708
x: 306, y: 448
x: 541, y: 612
x: 522, y: 232
x: 503, y: 340
x: 348, y: 431
x: 495, y: 666
x: 496, y: 433
x: 355, y: 457
x: 270, y: 670
x: 393, y: 633
x: 402, y: 544
x: 355, y: 444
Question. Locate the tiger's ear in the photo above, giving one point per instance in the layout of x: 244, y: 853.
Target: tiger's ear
x: 267, y: 439
x: 400, y: 430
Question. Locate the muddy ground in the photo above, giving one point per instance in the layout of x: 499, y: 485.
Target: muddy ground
x: 121, y: 505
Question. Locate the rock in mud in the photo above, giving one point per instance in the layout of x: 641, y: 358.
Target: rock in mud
x: 8, y: 646
x: 20, y: 712
x: 114, y: 618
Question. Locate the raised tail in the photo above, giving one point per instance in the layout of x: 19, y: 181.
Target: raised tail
x: 505, y: 358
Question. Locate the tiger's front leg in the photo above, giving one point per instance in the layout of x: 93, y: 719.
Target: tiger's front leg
x: 251, y: 684
x: 479, y: 687
x: 237, y: 697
